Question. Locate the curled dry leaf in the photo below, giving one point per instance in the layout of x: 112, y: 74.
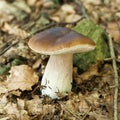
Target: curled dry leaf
x: 21, y: 77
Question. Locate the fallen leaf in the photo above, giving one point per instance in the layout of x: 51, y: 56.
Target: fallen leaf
x: 15, y: 30
x: 113, y: 28
x: 98, y: 116
x: 3, y: 102
x: 21, y: 5
x: 94, y: 2
x: 66, y: 13
x: 12, y: 110
x: 31, y: 2
x: 13, y: 9
x: 15, y: 92
x: 87, y: 75
x: 23, y: 112
x: 21, y: 77
x: 36, y: 107
x: 68, y: 9
x: 37, y: 63
x: 3, y: 87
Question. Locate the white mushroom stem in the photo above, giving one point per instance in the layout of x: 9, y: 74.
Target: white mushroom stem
x: 57, y: 78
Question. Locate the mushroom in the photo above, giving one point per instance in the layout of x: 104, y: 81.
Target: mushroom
x: 60, y: 43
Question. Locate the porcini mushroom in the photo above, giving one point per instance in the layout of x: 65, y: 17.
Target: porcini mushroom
x: 60, y: 43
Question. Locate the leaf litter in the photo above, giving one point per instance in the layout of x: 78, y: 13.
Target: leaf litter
x: 20, y: 96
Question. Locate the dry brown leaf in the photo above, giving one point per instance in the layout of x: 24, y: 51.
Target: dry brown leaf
x: 3, y: 87
x: 15, y: 30
x: 3, y: 102
x: 37, y: 63
x: 66, y: 13
x: 5, y: 18
x: 23, y: 112
x: 70, y: 104
x: 45, y: 3
x: 17, y: 8
x: 21, y: 5
x: 68, y: 9
x: 93, y: 70
x: 113, y: 28
x: 31, y: 2
x: 88, y: 75
x: 72, y: 18
x: 81, y: 103
x: 98, y: 116
x: 94, y: 2
x: 21, y: 77
x: 36, y: 107
x: 11, y: 108
x: 20, y: 50
x: 15, y: 92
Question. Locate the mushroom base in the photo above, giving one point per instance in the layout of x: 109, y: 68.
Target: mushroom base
x: 57, y: 78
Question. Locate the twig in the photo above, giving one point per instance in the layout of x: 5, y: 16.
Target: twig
x: 76, y: 116
x: 13, y: 44
x: 86, y: 113
x: 110, y: 59
x: 7, y: 48
x: 116, y: 78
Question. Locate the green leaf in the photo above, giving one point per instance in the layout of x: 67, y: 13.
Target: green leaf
x: 4, y: 69
x: 56, y: 1
x: 17, y: 61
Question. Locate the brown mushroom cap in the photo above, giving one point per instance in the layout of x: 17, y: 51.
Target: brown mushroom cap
x: 60, y: 40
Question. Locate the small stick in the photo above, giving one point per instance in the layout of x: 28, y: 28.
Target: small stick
x: 116, y: 78
x: 7, y: 48
x: 12, y: 44
x: 86, y: 113
x: 76, y: 116
x: 110, y: 59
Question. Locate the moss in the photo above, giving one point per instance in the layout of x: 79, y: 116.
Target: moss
x: 97, y: 34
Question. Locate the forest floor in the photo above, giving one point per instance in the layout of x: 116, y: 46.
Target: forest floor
x: 95, y: 97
